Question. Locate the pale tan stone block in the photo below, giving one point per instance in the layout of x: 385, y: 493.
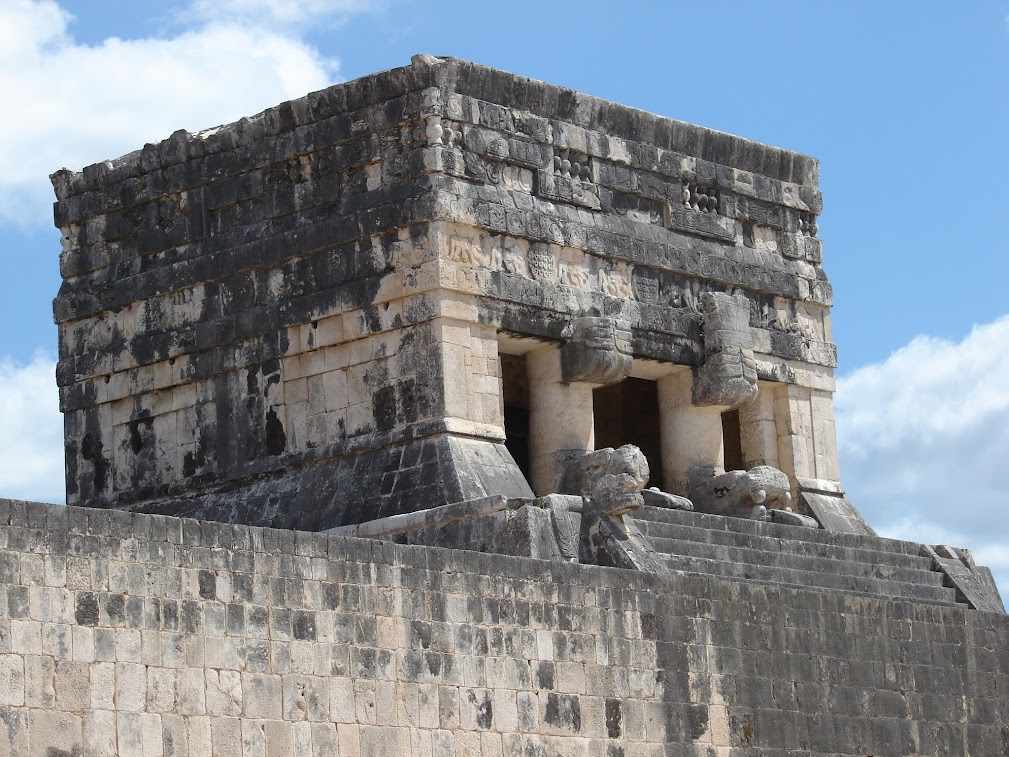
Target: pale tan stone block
x: 824, y: 435
x: 128, y: 645
x: 39, y: 674
x: 199, y: 737
x: 226, y: 737
x: 692, y: 444
x: 421, y: 743
x: 385, y: 698
x: 329, y: 331
x: 160, y: 690
x: 301, y: 738
x: 100, y: 735
x: 174, y: 735
x: 365, y: 701
x: 443, y: 742
x: 335, y: 389
x: 427, y: 705
x: 279, y: 739
x: 325, y: 742
x: 560, y: 420
x: 305, y: 697
x: 505, y: 710
x: 103, y: 685
x: 12, y: 680
x: 349, y: 738
x: 152, y: 735
x: 190, y: 685
x: 262, y: 696
x: 223, y: 692
x: 129, y: 735
x: 379, y: 741
x: 54, y: 733
x: 26, y: 637
x: 131, y: 687
x: 569, y: 677
x: 253, y: 738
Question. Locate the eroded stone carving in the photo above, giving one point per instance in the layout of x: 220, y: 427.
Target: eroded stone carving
x: 744, y: 494
x: 599, y: 351
x: 614, y: 478
x: 728, y: 376
x: 654, y: 497
x: 697, y: 197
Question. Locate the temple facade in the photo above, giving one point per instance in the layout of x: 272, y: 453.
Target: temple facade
x: 433, y: 284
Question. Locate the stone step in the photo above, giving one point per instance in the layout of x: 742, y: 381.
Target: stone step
x: 807, y: 579
x: 784, y: 558
x: 776, y: 530
x: 787, y: 544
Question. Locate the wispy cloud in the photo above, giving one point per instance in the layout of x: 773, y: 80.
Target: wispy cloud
x: 284, y: 12
x: 922, y: 436
x: 31, y: 446
x: 71, y: 104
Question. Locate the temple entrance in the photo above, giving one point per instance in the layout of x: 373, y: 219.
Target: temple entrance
x: 515, y: 393
x: 732, y: 444
x: 628, y: 413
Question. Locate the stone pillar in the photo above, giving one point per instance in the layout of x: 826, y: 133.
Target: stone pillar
x: 795, y: 434
x: 560, y: 420
x: 472, y: 387
x: 691, y: 435
x: 561, y: 380
x: 757, y: 428
x: 821, y: 411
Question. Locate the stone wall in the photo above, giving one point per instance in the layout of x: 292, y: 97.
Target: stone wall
x: 129, y: 634
x: 255, y: 313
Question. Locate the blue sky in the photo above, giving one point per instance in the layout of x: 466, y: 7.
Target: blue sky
x: 905, y: 104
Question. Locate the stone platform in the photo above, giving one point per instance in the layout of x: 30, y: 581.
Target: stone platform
x: 131, y: 635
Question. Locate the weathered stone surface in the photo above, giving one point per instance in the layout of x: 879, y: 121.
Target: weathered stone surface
x: 655, y: 498
x: 613, y: 478
x: 744, y: 494
x: 789, y: 518
x: 835, y: 513
x: 264, y: 321
x: 355, y: 646
x: 598, y: 352
x: 728, y: 375
x: 973, y: 583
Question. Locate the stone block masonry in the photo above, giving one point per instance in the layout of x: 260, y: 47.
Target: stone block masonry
x: 298, y: 320
x: 143, y: 635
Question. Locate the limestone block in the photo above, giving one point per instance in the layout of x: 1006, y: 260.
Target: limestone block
x: 54, y: 733
x: 560, y: 421
x: 692, y: 447
x: 99, y: 733
x: 226, y: 736
x: 728, y: 375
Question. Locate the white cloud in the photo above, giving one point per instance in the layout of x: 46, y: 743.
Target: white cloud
x: 31, y: 447
x: 924, y: 443
x: 280, y: 11
x: 69, y: 104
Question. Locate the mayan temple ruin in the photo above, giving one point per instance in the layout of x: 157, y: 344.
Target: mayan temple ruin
x: 447, y: 412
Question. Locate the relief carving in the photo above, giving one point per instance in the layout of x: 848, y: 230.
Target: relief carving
x: 599, y: 351
x: 616, y: 282
x: 646, y: 284
x: 728, y: 376
x: 542, y: 263
x: 513, y: 261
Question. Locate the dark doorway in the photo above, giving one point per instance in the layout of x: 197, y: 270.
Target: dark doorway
x: 628, y: 413
x: 515, y: 391
x: 732, y: 444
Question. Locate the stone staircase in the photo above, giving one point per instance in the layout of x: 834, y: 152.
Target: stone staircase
x: 792, y: 556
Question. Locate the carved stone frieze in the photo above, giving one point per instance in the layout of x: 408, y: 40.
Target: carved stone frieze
x: 728, y: 376
x: 599, y: 351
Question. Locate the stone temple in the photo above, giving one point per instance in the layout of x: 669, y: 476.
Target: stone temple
x: 447, y: 412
